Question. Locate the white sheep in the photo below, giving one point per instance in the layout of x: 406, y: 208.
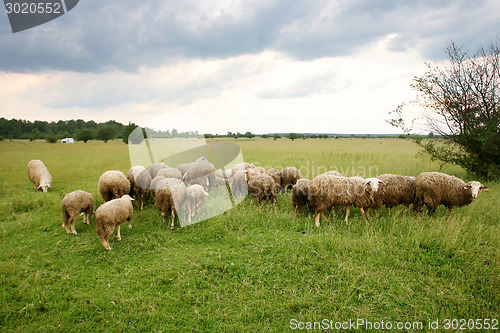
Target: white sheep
x: 39, y: 175
x: 170, y: 194
x: 329, y: 191
x: 112, y: 214
x: 140, y: 180
x: 169, y: 172
x: 435, y: 188
x: 397, y: 190
x: 195, y: 198
x: 155, y: 167
x: 113, y: 185
x: 72, y: 205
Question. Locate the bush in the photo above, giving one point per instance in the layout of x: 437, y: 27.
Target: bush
x: 51, y: 139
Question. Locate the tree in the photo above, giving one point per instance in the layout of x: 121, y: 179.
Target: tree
x: 276, y: 136
x: 85, y: 134
x: 126, y: 134
x: 249, y: 135
x: 106, y: 133
x: 462, y: 96
x: 292, y: 136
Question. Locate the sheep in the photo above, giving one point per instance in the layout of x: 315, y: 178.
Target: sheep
x: 39, y: 175
x: 434, y: 188
x: 154, y: 183
x: 242, y: 166
x: 259, y: 169
x: 140, y: 180
x: 222, y: 177
x: 289, y: 177
x: 169, y: 172
x: 155, y: 167
x: 72, y: 205
x: 328, y: 191
x: 262, y: 187
x: 398, y: 190
x: 200, y: 172
x: 170, y: 194
x: 113, y: 185
x: 276, y: 174
x: 195, y: 198
x: 112, y: 214
x: 301, y: 194
x: 239, y: 186
x: 183, y: 167
x: 333, y: 173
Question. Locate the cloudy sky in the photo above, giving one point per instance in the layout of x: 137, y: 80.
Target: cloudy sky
x: 244, y: 65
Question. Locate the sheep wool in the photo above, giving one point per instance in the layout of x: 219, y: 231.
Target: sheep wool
x: 195, y: 198
x: 155, y: 167
x: 72, y: 205
x: 276, y: 174
x: 113, y: 185
x: 301, y: 194
x: 170, y: 194
x: 262, y: 187
x: 39, y: 175
x: 397, y: 190
x: 289, y: 177
x: 169, y: 173
x: 435, y: 188
x: 112, y: 214
x: 140, y: 180
x: 239, y: 187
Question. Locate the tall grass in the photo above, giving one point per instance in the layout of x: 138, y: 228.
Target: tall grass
x: 247, y: 269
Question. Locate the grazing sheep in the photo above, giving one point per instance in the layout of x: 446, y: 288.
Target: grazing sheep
x: 262, y: 187
x: 170, y: 194
x: 222, y: 177
x: 333, y: 173
x: 289, y: 177
x: 113, y: 185
x: 398, y: 190
x: 183, y: 168
x: 112, y: 214
x: 329, y: 191
x: 200, y: 172
x: 155, y: 167
x: 73, y: 204
x: 301, y: 194
x: 259, y: 169
x: 195, y: 198
x: 169, y: 173
x: 39, y: 175
x: 154, y: 183
x: 434, y: 188
x: 242, y: 166
x: 140, y: 180
x: 239, y: 187
x: 276, y: 174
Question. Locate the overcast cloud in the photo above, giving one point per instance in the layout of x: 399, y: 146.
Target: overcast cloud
x: 129, y: 60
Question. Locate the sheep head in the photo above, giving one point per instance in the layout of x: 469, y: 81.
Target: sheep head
x: 475, y: 188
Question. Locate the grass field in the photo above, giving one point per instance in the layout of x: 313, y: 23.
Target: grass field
x: 247, y: 269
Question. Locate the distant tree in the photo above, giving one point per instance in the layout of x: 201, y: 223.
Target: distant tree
x: 85, y: 134
x: 51, y: 139
x: 106, y: 133
x: 2, y: 138
x: 430, y: 135
x: 249, y: 135
x: 292, y: 136
x: 133, y: 136
x: 276, y: 136
x: 265, y: 136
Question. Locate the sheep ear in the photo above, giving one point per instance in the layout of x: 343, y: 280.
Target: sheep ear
x: 367, y: 182
x: 484, y: 188
x: 39, y: 186
x: 381, y: 182
x: 468, y: 186
x: 207, y: 194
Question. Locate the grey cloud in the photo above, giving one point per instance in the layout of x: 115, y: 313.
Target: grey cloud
x: 127, y: 35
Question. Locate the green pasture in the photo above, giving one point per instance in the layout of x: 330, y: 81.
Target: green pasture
x: 248, y: 269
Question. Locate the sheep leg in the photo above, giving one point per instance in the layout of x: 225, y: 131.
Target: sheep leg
x: 363, y: 213
x: 172, y: 223
x: 348, y: 210
x: 374, y: 212
x: 163, y: 217
x: 72, y: 225
x: 104, y: 242
x: 142, y: 203
x: 129, y: 224
x: 118, y: 235
x: 367, y: 212
x: 317, y: 217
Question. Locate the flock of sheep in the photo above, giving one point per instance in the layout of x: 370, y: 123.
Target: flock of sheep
x: 185, y: 189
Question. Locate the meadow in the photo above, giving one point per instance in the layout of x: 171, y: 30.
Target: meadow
x: 247, y: 269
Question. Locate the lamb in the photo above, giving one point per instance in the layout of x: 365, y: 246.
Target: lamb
x: 223, y: 177
x: 112, y: 214
x: 301, y: 194
x: 398, y: 190
x: 195, y: 198
x: 113, y: 185
x: 262, y: 187
x: 289, y: 177
x: 239, y: 186
x: 170, y: 194
x: 140, y: 180
x: 169, y: 172
x: 328, y: 191
x: 154, y: 183
x: 434, y: 188
x: 73, y: 204
x: 155, y: 167
x: 200, y: 172
x: 276, y: 174
x: 39, y: 175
